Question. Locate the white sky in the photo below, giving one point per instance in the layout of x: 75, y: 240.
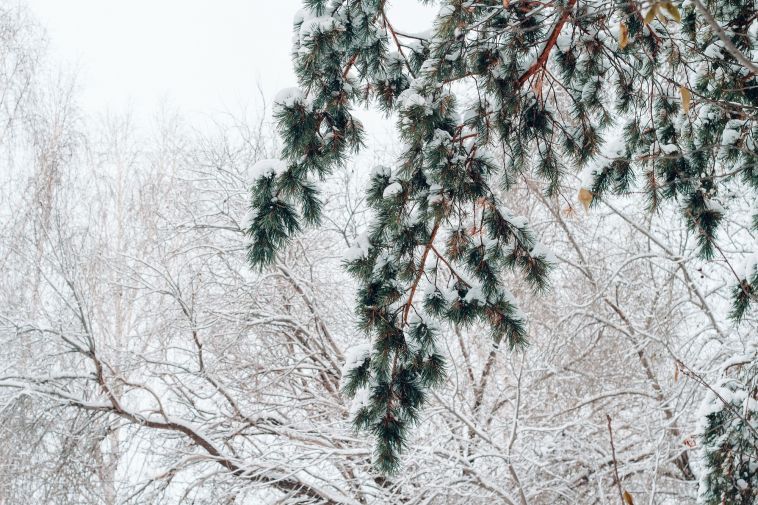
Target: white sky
x: 200, y: 56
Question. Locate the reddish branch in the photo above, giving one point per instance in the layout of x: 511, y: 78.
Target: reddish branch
x: 420, y: 273
x: 449, y: 266
x: 349, y: 65
x: 551, y: 41
x: 397, y: 43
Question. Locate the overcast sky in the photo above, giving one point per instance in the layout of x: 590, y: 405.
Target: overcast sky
x: 201, y: 56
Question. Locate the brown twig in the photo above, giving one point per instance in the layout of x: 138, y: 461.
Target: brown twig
x: 615, y: 462
x: 397, y: 43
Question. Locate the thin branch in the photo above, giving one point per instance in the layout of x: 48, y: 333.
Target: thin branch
x: 615, y: 463
x: 728, y: 44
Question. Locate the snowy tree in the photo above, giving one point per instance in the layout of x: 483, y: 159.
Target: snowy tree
x: 256, y: 380
x: 656, y: 98
x: 729, y: 435
x: 143, y: 362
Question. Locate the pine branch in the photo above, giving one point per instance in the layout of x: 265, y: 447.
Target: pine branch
x: 422, y: 267
x: 551, y: 41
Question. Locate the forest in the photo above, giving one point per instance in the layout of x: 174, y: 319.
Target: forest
x: 541, y: 288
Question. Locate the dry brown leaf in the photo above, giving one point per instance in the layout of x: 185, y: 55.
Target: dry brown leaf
x: 650, y: 14
x: 686, y: 98
x: 676, y: 372
x: 628, y: 498
x: 506, y: 3
x: 623, y: 36
x: 585, y: 197
x: 673, y: 11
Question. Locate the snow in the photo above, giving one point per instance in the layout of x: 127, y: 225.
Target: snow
x: 714, y: 205
x: 290, y: 97
x: 519, y: 222
x: 714, y: 51
x: 485, y: 155
x: 588, y: 175
x: 669, y: 148
x: 516, y: 312
x: 360, y: 248
x: 513, y: 219
x: 488, y: 242
x: 361, y: 399
x: 613, y: 148
x: 250, y: 216
x: 413, y: 216
x: 435, y: 194
x: 471, y: 112
x: 446, y: 10
x: 475, y: 295
x: 393, y: 189
x: 731, y: 132
x: 381, y: 171
x: 382, y: 259
x: 455, y: 55
x: 355, y: 356
x: 749, y: 268
x: 267, y: 168
x: 564, y: 40
x: 439, y: 138
x: 449, y: 293
x: 315, y: 25
x: 301, y: 15
x: 614, y: 145
x: 428, y: 67
x: 540, y: 251
x: 411, y: 98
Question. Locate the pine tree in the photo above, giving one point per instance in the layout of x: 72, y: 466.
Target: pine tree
x: 729, y: 437
x: 539, y: 85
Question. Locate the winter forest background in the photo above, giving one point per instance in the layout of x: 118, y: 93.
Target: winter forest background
x: 145, y: 360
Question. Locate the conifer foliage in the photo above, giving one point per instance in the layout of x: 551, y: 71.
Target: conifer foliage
x: 659, y: 98
x: 729, y: 436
